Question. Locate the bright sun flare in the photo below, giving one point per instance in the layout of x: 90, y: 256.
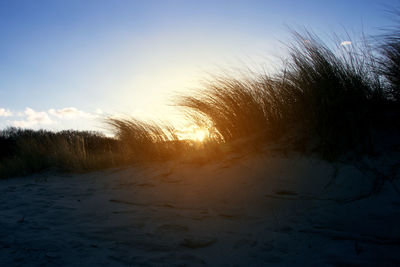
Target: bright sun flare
x: 193, y: 133
x: 200, y: 134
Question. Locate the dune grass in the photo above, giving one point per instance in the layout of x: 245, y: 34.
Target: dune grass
x: 234, y: 108
x: 320, y: 95
x: 144, y: 140
x: 389, y: 50
x: 24, y: 152
x: 325, y: 99
x: 391, y: 65
x: 334, y: 95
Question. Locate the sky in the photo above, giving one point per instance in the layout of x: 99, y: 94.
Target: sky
x: 68, y: 64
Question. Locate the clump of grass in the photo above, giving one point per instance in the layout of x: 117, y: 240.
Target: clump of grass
x: 143, y: 141
x: 26, y: 151
x: 254, y: 106
x: 148, y: 142
x: 319, y: 95
x: 234, y: 108
x: 389, y: 48
x: 333, y: 94
x: 391, y: 65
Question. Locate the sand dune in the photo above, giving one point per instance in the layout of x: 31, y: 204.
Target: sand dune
x: 252, y: 211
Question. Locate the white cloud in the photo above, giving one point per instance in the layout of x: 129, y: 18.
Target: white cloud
x: 68, y: 113
x: 33, y: 118
x: 63, y: 118
x: 345, y: 43
x: 5, y: 112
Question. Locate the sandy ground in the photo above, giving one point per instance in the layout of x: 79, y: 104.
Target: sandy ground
x: 241, y: 211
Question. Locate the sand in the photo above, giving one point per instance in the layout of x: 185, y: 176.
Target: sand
x: 240, y: 211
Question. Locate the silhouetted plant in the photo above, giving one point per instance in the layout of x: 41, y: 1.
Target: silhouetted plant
x: 320, y: 94
x: 389, y: 48
x: 325, y: 99
x: 145, y: 140
x: 28, y: 151
x: 334, y: 94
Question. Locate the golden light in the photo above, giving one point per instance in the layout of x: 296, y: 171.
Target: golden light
x: 193, y: 133
x: 200, y: 134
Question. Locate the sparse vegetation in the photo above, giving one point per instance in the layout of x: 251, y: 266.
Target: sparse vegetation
x: 24, y: 152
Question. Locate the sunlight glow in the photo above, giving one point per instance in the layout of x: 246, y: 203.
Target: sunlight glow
x: 193, y: 133
x: 200, y: 135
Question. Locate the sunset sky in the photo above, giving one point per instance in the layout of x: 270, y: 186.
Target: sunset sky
x: 67, y: 64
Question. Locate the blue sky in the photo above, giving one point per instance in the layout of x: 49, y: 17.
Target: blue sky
x: 67, y: 63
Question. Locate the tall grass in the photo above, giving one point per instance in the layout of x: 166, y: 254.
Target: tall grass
x: 334, y: 94
x: 320, y: 94
x: 326, y: 99
x: 389, y: 49
x: 391, y: 65
x: 235, y: 108
x: 143, y: 141
x: 26, y: 151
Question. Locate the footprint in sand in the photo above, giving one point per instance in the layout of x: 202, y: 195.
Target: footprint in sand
x: 245, y: 243
x: 286, y: 193
x: 284, y: 229
x: 268, y: 246
x: 171, y: 229
x: 273, y: 259
x: 192, y: 259
x: 231, y: 214
x: 197, y: 242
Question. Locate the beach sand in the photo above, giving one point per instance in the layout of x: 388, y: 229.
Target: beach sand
x: 240, y: 211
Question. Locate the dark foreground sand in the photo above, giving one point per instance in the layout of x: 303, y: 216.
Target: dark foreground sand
x: 249, y: 211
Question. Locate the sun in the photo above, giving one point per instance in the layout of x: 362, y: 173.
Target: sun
x: 200, y: 134
x: 193, y: 133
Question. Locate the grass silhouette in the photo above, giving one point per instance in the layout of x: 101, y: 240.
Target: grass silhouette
x: 144, y: 140
x: 27, y: 151
x: 328, y: 100
x: 389, y: 50
x: 318, y: 96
